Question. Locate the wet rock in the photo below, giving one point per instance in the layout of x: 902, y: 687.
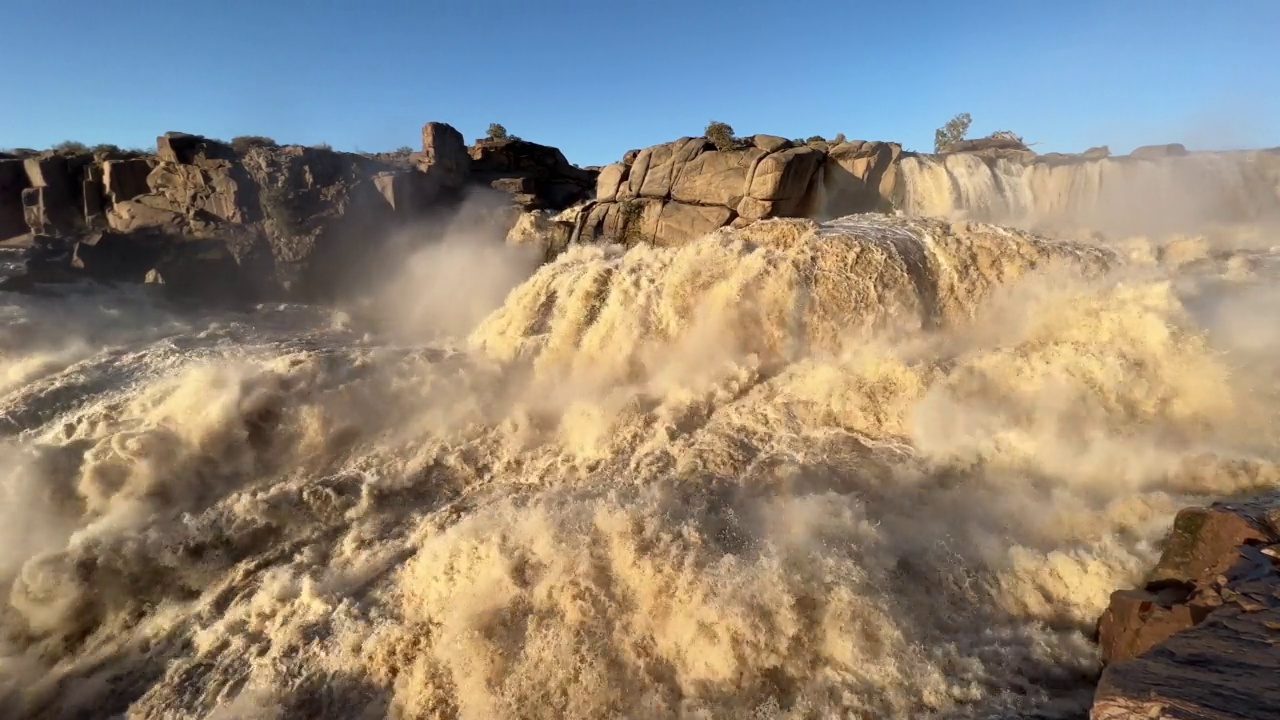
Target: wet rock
x: 1201, y: 638
x: 199, y: 270
x: 1224, y: 668
x: 111, y: 256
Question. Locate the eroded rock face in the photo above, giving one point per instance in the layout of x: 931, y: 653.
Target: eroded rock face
x: 671, y: 193
x: 292, y: 221
x: 1201, y: 638
x: 538, y: 177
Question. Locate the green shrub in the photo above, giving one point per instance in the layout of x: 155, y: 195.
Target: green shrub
x: 721, y: 135
x: 497, y: 132
x: 71, y: 147
x: 323, y: 146
x: 404, y: 150
x: 839, y: 138
x: 951, y: 133
x: 630, y: 213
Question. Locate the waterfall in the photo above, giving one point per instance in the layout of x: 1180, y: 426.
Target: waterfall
x: 1112, y: 194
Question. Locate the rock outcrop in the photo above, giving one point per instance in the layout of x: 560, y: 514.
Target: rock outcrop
x: 1201, y: 637
x: 207, y: 219
x: 670, y: 193
x: 537, y: 176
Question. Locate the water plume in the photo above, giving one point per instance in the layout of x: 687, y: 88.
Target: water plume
x: 879, y: 467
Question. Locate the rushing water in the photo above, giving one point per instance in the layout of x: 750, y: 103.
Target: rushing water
x: 882, y: 468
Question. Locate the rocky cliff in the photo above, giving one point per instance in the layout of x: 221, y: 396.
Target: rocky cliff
x: 295, y: 221
x: 670, y: 193
x: 207, y: 218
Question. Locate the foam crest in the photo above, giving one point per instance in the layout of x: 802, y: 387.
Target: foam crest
x: 875, y: 468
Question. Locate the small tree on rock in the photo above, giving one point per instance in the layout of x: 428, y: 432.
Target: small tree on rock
x: 496, y: 132
x: 953, y: 132
x: 721, y: 135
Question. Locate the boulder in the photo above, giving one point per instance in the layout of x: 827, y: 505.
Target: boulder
x: 1199, y: 639
x: 186, y: 149
x: 857, y: 177
x: 678, y: 222
x: 770, y: 143
x: 125, y: 179
x: 545, y: 178
x: 1096, y: 153
x: 610, y: 180
x: 444, y: 152
x: 780, y: 182
x: 716, y: 177
x: 1156, y: 152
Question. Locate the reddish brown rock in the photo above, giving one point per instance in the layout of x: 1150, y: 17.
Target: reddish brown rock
x: 1204, y: 543
x: 1201, y: 639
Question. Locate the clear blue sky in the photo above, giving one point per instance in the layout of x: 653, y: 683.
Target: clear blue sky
x: 598, y: 77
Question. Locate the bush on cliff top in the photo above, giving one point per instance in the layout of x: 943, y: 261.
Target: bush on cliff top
x: 721, y: 135
x: 71, y: 147
x: 951, y: 133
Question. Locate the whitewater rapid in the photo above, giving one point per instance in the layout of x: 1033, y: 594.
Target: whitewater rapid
x: 877, y: 468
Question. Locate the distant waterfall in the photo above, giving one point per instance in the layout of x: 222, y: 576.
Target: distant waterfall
x: 1113, y: 194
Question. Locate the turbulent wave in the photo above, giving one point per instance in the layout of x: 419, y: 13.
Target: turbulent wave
x: 874, y: 468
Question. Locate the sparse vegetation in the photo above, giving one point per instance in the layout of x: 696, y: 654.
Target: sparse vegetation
x: 275, y: 207
x: 245, y: 143
x: 106, y: 149
x: 953, y: 132
x: 815, y: 139
x: 323, y: 146
x: 629, y: 219
x: 497, y: 132
x: 404, y: 150
x: 839, y: 138
x: 721, y: 135
x: 71, y: 147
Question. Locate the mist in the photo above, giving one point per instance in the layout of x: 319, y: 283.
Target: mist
x: 884, y: 467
